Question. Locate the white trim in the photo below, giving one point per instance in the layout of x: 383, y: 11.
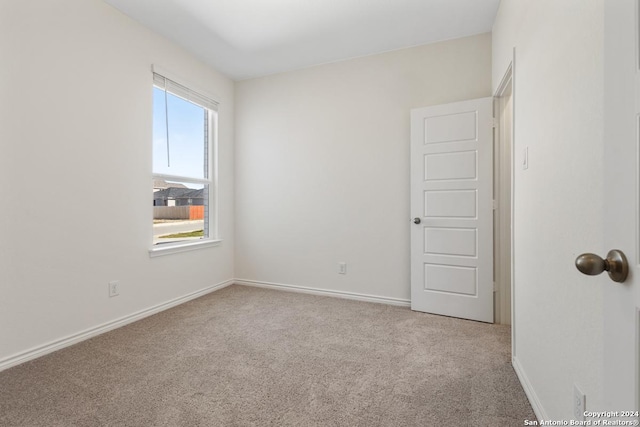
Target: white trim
x: 67, y: 341
x: 541, y: 414
x: 325, y: 292
x: 513, y: 203
x: 510, y: 74
x: 174, y: 178
x: 168, y: 248
x: 214, y: 186
x: 503, y: 179
x: 184, y: 82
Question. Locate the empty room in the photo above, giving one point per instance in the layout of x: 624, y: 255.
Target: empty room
x: 319, y: 213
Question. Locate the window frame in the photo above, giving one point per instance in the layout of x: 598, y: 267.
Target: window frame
x: 210, y: 181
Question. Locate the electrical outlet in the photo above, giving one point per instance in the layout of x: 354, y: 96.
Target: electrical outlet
x: 114, y: 288
x: 579, y: 404
x: 342, y: 268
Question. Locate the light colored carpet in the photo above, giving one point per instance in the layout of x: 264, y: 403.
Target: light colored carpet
x: 254, y: 357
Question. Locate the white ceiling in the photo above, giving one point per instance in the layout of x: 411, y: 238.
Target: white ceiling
x: 250, y: 38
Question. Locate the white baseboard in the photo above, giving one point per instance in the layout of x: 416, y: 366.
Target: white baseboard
x: 67, y: 341
x: 325, y: 292
x: 105, y: 327
x: 541, y: 414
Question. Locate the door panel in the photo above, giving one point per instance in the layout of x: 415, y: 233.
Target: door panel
x: 450, y: 204
x: 450, y: 241
x: 450, y: 127
x: 621, y: 171
x: 451, y: 279
x: 452, y: 196
x: 461, y: 165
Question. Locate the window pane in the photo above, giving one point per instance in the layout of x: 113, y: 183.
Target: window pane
x: 186, y: 151
x: 179, y: 211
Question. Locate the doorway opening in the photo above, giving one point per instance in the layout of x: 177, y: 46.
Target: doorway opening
x: 503, y: 196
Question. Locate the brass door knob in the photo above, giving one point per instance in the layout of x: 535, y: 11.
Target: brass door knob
x: 615, y: 264
x: 416, y: 220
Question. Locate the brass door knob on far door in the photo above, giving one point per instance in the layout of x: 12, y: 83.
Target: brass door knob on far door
x: 615, y: 264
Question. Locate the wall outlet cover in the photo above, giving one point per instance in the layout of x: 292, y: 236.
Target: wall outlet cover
x: 114, y: 288
x: 342, y: 268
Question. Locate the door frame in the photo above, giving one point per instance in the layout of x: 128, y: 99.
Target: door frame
x: 506, y: 229
x: 503, y: 153
x: 621, y: 301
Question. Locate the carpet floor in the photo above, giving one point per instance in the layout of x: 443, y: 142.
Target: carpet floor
x: 255, y: 357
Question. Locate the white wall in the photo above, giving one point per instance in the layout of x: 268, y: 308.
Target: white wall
x: 558, y: 208
x: 75, y: 170
x: 322, y: 159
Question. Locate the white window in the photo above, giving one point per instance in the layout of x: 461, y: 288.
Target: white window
x: 184, y: 188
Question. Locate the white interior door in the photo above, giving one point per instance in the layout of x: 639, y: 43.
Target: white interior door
x: 452, y: 206
x: 621, y: 142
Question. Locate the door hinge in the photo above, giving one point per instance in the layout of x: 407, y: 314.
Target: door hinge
x: 494, y: 122
x: 495, y: 205
x: 495, y: 287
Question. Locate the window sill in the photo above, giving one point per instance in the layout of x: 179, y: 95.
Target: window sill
x: 168, y: 249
